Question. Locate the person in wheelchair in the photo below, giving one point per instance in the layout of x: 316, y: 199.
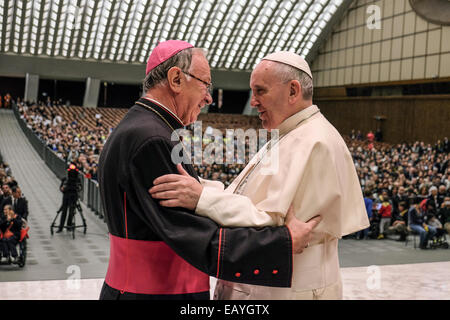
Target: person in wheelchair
x: 417, y: 217
x: 10, y: 232
x: 70, y: 186
x: 444, y: 214
x: 439, y: 238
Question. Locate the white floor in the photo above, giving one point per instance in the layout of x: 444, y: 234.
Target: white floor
x: 422, y: 281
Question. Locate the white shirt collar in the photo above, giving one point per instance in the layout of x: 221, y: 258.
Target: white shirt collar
x: 292, y: 122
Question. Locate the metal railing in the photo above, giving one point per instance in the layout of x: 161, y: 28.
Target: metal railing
x: 90, y: 195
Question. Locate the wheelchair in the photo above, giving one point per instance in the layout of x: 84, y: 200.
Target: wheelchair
x: 439, y: 241
x: 21, y: 247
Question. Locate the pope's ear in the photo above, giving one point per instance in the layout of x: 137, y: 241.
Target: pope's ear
x: 174, y: 79
x: 295, y: 91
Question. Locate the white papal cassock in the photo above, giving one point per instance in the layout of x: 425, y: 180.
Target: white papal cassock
x: 311, y: 168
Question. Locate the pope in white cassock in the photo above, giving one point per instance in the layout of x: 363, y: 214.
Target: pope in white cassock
x: 308, y: 170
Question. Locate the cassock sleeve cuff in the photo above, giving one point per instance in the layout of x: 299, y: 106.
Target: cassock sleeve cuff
x: 269, y: 263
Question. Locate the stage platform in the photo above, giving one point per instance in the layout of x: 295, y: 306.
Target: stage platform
x: 421, y: 281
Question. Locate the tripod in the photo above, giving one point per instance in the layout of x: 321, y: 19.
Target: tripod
x: 76, y: 206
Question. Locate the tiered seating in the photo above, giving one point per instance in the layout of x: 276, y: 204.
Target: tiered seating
x: 364, y: 143
x: 229, y: 121
x: 86, y: 116
x: 112, y: 116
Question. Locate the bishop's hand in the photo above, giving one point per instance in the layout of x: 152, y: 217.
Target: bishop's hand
x: 301, y: 232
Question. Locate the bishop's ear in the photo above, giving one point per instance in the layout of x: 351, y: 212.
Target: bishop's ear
x: 174, y: 79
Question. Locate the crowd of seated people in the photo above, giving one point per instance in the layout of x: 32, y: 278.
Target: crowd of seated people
x: 77, y: 134
x: 13, y: 214
x: 393, y: 177
x: 408, y: 185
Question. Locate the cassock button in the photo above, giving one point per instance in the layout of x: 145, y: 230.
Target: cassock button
x: 275, y: 271
x: 237, y: 274
x: 256, y: 272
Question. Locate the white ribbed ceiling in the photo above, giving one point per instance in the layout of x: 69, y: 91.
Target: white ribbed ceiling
x: 237, y: 34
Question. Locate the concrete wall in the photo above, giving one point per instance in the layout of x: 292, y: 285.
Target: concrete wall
x: 72, y: 69
x: 406, y: 47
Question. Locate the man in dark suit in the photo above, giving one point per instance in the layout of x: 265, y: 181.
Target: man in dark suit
x: 7, y: 198
x: 19, y: 203
x: 401, y: 196
x: 70, y: 186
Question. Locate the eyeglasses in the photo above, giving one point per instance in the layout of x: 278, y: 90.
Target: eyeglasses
x: 209, y: 85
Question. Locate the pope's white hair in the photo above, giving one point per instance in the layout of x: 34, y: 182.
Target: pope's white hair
x: 287, y: 73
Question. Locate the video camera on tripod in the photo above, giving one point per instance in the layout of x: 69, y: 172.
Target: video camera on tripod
x: 71, y: 183
x: 70, y: 187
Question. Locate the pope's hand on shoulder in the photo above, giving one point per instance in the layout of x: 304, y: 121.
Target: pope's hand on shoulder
x: 177, y: 190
